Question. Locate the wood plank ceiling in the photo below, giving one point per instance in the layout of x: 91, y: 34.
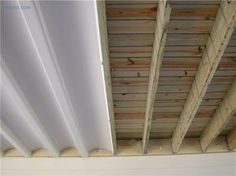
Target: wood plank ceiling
x: 170, y: 79
x: 131, y: 27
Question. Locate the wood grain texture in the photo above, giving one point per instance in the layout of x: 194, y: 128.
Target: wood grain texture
x: 131, y: 27
x: 221, y: 117
x: 231, y: 138
x: 215, y: 47
x: 162, y: 21
x: 168, y: 72
x: 147, y: 26
x: 174, y: 80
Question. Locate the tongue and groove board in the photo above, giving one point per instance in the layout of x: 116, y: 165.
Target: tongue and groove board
x: 131, y: 26
x: 131, y: 29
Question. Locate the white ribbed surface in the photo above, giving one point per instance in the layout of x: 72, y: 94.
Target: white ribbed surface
x: 67, y: 97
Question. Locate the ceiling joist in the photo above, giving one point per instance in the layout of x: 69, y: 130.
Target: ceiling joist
x: 231, y: 138
x: 216, y: 44
x: 162, y: 20
x: 221, y: 118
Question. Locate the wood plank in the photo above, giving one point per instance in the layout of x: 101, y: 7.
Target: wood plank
x: 200, y: 114
x: 159, y: 109
x: 130, y: 62
x: 193, y: 11
x: 224, y: 113
x: 194, y: 62
x: 230, y: 51
x: 168, y: 62
x: 184, y: 51
x: 231, y: 138
x: 148, y: 11
x: 186, y: 39
x: 129, y: 81
x: 169, y: 51
x: 190, y: 26
x: 106, y: 68
x: 231, y: 124
x: 180, y: 62
x: 129, y: 72
x: 131, y: 26
x: 217, y: 80
x: 130, y: 51
x: 147, y: 40
x: 125, y: 2
x: 158, y: 123
x: 165, y: 72
x: 134, y: 11
x: 172, y: 2
x: 195, y: 2
x: 131, y: 40
x: 161, y: 103
x: 147, y: 26
x: 217, y: 42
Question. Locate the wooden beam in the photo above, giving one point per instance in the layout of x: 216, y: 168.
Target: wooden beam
x: 101, y: 11
x: 162, y: 20
x: 231, y: 138
x: 220, y: 119
x: 14, y: 140
x: 20, y: 104
x: 216, y: 44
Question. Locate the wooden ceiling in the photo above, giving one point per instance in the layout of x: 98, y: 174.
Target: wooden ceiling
x: 152, y: 94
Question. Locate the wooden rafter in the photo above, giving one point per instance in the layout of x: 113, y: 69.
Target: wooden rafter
x: 101, y: 10
x: 231, y: 138
x: 216, y: 44
x: 221, y: 118
x: 157, y: 54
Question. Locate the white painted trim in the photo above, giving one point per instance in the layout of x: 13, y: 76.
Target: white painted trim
x: 184, y: 165
x: 105, y: 59
x: 105, y: 71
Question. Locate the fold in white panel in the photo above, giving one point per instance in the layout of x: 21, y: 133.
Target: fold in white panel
x: 37, y: 31
x: 73, y: 32
x: 12, y: 117
x: 5, y: 145
x: 13, y: 93
x: 21, y: 59
x: 52, y: 51
x: 14, y: 140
